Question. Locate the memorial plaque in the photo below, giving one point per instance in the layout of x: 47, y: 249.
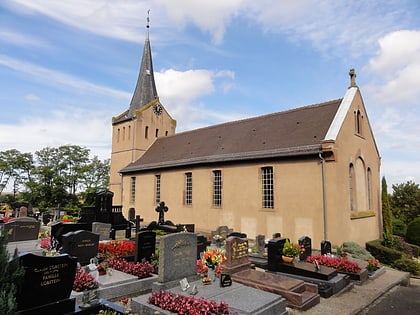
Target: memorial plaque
x: 47, y: 280
x: 177, y: 256
x: 81, y: 244
x: 145, y: 245
x: 225, y: 280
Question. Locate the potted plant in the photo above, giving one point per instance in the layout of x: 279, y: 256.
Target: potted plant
x: 290, y: 251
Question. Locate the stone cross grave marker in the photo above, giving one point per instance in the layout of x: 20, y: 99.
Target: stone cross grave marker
x: 306, y: 244
x: 325, y: 247
x: 177, y: 256
x: 145, y: 245
x: 47, y: 284
x: 103, y: 229
x: 22, y: 229
x: 237, y: 258
x: 81, y: 244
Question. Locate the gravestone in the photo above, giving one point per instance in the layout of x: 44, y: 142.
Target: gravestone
x: 276, y: 235
x: 222, y: 230
x: 161, y: 209
x: 325, y: 247
x: 305, y: 243
x: 236, y: 255
x: 131, y: 214
x: 202, y: 244
x: 47, y: 284
x: 177, y: 256
x: 274, y: 252
x: 260, y: 244
x: 58, y: 229
x: 81, y: 244
x: 22, y: 229
x: 145, y: 245
x: 103, y: 229
x: 237, y: 234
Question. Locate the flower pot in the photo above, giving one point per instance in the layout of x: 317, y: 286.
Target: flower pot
x: 287, y: 259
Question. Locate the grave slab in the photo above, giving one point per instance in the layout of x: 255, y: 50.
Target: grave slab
x: 299, y: 295
x: 241, y: 299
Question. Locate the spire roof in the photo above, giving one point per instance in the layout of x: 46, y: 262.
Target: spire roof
x: 145, y: 90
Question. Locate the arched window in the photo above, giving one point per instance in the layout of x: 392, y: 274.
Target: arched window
x: 352, y: 188
x: 369, y: 188
x: 146, y: 132
x: 359, y: 122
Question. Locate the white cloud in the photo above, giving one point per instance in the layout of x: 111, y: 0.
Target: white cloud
x: 32, y: 97
x: 397, y: 67
x: 18, y: 39
x: 59, y: 79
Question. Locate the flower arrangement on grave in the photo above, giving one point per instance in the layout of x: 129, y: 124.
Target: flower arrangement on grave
x: 180, y: 304
x: 213, y: 259
x: 139, y: 269
x: 84, y: 281
x: 373, y: 264
x: 116, y: 248
x: 102, y: 268
x: 341, y: 264
x: 291, y: 250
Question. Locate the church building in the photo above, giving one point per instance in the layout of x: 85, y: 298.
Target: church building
x: 310, y: 171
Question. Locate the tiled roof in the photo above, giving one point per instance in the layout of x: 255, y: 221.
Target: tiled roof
x: 293, y: 132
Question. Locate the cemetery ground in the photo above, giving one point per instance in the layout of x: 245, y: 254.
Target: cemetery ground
x: 391, y: 292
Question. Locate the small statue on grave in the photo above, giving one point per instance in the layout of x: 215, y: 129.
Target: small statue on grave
x: 161, y: 209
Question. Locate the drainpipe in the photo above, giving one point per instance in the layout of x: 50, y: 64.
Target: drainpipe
x: 324, y: 198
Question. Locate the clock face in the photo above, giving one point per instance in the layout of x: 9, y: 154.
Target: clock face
x: 157, y: 109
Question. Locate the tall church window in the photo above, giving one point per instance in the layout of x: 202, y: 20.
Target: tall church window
x: 123, y: 133
x: 156, y: 133
x: 352, y: 188
x: 217, y: 188
x: 129, y: 132
x: 146, y: 132
x: 188, y: 189
x: 267, y: 179
x: 369, y: 188
x: 133, y: 190
x: 118, y: 134
x: 359, y: 122
x: 166, y: 133
x: 157, y: 189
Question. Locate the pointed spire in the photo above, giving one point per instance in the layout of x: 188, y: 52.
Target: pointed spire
x: 352, y: 74
x: 145, y: 90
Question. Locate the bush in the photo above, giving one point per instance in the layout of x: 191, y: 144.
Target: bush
x: 356, y: 251
x: 408, y: 265
x: 384, y: 254
x: 399, y: 227
x: 413, y: 232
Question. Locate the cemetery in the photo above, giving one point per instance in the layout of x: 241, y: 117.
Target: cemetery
x: 89, y: 266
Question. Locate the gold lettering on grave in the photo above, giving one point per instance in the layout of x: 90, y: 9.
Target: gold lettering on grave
x: 51, y: 274
x: 239, y: 250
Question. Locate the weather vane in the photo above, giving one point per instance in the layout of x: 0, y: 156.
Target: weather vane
x: 148, y: 19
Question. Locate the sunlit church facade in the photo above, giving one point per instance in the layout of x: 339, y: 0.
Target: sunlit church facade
x: 311, y: 171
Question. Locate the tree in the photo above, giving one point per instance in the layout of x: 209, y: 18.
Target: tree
x: 11, y: 275
x: 405, y: 201
x: 386, y: 208
x: 15, y: 169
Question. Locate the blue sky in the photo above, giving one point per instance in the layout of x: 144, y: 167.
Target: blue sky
x: 67, y: 67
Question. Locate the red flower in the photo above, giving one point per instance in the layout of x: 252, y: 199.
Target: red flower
x: 341, y: 264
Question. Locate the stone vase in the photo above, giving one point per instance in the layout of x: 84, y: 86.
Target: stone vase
x: 211, y: 274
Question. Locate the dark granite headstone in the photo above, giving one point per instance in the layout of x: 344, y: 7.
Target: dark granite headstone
x: 202, y: 244
x: 274, y: 251
x: 145, y: 245
x: 276, y: 235
x: 306, y: 244
x: 58, y: 229
x: 177, y: 256
x: 22, y: 229
x: 47, y: 281
x: 131, y: 214
x: 237, y: 234
x: 237, y: 258
x: 81, y: 244
x: 325, y: 247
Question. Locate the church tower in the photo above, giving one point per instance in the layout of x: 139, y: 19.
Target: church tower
x: 137, y: 128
